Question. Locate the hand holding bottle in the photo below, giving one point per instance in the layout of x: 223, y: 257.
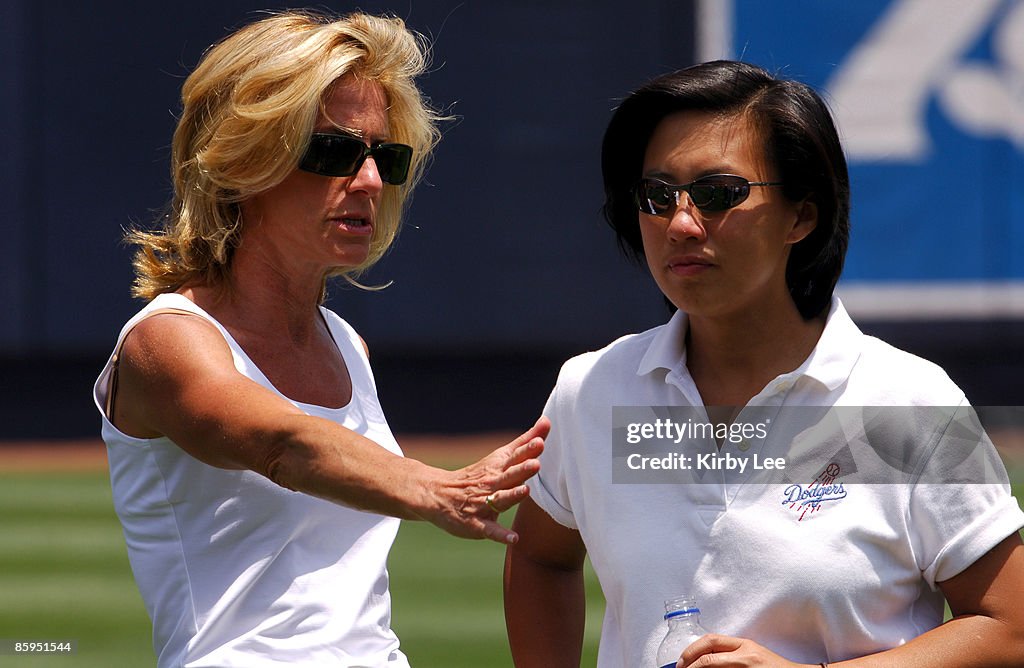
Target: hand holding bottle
x: 713, y: 650
x: 688, y: 645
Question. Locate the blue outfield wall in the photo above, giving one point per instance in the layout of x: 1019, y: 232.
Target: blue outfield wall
x: 504, y: 266
x: 505, y: 228
x: 929, y: 97
x: 929, y: 100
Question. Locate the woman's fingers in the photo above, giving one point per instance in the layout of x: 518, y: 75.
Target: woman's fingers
x: 486, y: 524
x: 477, y: 494
x: 499, y: 534
x: 715, y: 649
x: 540, y: 429
x: 499, y: 502
x: 496, y: 503
x: 525, y: 445
x: 511, y: 465
x: 527, y: 451
x: 518, y: 459
x: 710, y: 643
x: 517, y: 474
x: 505, y: 499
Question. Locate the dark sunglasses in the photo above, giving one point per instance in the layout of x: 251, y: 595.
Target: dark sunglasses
x: 715, y: 192
x: 332, y: 154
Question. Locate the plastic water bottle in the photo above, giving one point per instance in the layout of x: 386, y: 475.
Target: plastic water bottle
x: 683, y: 618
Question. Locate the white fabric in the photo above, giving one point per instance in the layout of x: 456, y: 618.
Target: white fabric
x: 237, y: 571
x: 854, y: 577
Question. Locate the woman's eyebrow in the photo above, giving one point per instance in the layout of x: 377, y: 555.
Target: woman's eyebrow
x: 332, y: 128
x: 329, y: 127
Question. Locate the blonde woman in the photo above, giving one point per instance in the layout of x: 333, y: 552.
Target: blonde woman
x: 253, y: 470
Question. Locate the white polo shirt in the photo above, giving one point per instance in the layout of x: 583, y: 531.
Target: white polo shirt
x: 846, y: 575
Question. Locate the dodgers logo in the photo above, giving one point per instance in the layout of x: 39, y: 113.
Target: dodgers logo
x: 810, y: 499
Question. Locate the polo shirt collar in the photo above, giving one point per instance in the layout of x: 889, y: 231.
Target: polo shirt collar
x: 830, y: 363
x: 667, y: 348
x: 832, y: 360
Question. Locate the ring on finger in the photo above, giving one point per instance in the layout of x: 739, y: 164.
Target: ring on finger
x: 489, y: 500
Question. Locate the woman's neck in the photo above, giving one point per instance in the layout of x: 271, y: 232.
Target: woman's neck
x: 731, y: 359
x: 258, y: 301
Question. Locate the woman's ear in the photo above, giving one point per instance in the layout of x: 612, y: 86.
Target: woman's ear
x: 806, y: 221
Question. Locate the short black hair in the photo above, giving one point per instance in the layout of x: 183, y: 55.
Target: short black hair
x: 801, y: 144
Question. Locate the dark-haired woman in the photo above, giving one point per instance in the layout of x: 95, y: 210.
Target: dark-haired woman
x: 732, y: 186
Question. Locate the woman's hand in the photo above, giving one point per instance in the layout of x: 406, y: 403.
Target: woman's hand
x: 466, y: 502
x: 729, y: 652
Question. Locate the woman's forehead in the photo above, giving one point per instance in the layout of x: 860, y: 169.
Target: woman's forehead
x: 704, y: 137
x: 358, y: 106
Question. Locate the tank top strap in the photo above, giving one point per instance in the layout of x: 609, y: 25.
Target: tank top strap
x: 351, y: 348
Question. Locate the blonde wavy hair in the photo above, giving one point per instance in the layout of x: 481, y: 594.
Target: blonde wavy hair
x: 248, y: 111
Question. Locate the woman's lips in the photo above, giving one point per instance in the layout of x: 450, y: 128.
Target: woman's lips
x: 358, y: 226
x: 689, y: 265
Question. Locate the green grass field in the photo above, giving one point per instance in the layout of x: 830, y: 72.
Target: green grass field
x: 64, y: 575
x: 64, y: 572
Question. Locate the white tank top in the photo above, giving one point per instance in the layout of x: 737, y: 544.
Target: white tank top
x: 237, y: 571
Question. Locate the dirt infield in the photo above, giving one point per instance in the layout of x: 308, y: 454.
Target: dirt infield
x: 27, y: 456
x: 444, y: 450
x: 91, y: 454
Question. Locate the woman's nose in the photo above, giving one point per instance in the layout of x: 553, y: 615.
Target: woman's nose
x: 367, y: 177
x: 686, y: 222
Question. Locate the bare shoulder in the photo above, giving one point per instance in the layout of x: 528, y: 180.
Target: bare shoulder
x: 169, y: 343
x: 160, y: 357
x: 177, y: 378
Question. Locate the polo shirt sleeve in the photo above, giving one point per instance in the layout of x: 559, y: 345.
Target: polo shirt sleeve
x: 962, y: 506
x: 549, y: 489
